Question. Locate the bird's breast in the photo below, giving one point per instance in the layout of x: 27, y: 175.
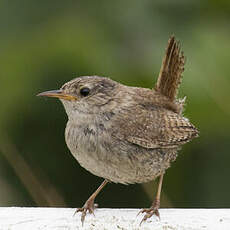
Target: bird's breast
x: 84, y: 142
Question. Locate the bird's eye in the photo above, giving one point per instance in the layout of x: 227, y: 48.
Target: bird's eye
x: 84, y: 91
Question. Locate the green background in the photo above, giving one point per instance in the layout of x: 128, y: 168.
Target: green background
x: 43, y: 44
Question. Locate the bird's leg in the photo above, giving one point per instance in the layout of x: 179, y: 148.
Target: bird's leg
x: 89, y: 204
x: 153, y: 210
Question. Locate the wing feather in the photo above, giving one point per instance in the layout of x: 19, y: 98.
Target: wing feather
x: 159, y: 128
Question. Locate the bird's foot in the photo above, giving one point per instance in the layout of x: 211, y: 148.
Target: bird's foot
x: 153, y: 210
x: 88, y: 206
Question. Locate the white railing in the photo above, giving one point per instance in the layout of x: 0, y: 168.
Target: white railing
x: 15, y: 218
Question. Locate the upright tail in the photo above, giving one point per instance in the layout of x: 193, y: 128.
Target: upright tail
x: 172, y: 67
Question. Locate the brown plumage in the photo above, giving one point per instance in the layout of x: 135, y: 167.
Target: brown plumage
x: 126, y: 134
x: 172, y: 67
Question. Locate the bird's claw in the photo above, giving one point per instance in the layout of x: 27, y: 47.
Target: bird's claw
x: 88, y: 206
x: 153, y: 210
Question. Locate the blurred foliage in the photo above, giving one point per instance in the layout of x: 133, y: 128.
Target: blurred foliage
x: 46, y: 43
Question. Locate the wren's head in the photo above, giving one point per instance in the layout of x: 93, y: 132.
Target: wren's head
x: 87, y: 95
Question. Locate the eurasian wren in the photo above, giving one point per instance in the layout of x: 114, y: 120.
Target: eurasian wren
x: 126, y: 134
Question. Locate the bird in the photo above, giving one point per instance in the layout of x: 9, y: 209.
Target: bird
x: 127, y: 134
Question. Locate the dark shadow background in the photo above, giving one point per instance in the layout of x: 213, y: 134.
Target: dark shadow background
x: 43, y: 44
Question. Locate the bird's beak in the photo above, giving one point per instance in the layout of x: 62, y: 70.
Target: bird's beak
x: 59, y: 94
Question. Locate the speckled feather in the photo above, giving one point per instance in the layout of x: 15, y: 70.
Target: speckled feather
x: 154, y: 127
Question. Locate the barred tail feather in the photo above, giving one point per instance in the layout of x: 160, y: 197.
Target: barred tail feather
x: 171, y: 70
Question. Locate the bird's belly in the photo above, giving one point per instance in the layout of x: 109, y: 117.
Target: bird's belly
x: 118, y: 162
x: 123, y: 169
